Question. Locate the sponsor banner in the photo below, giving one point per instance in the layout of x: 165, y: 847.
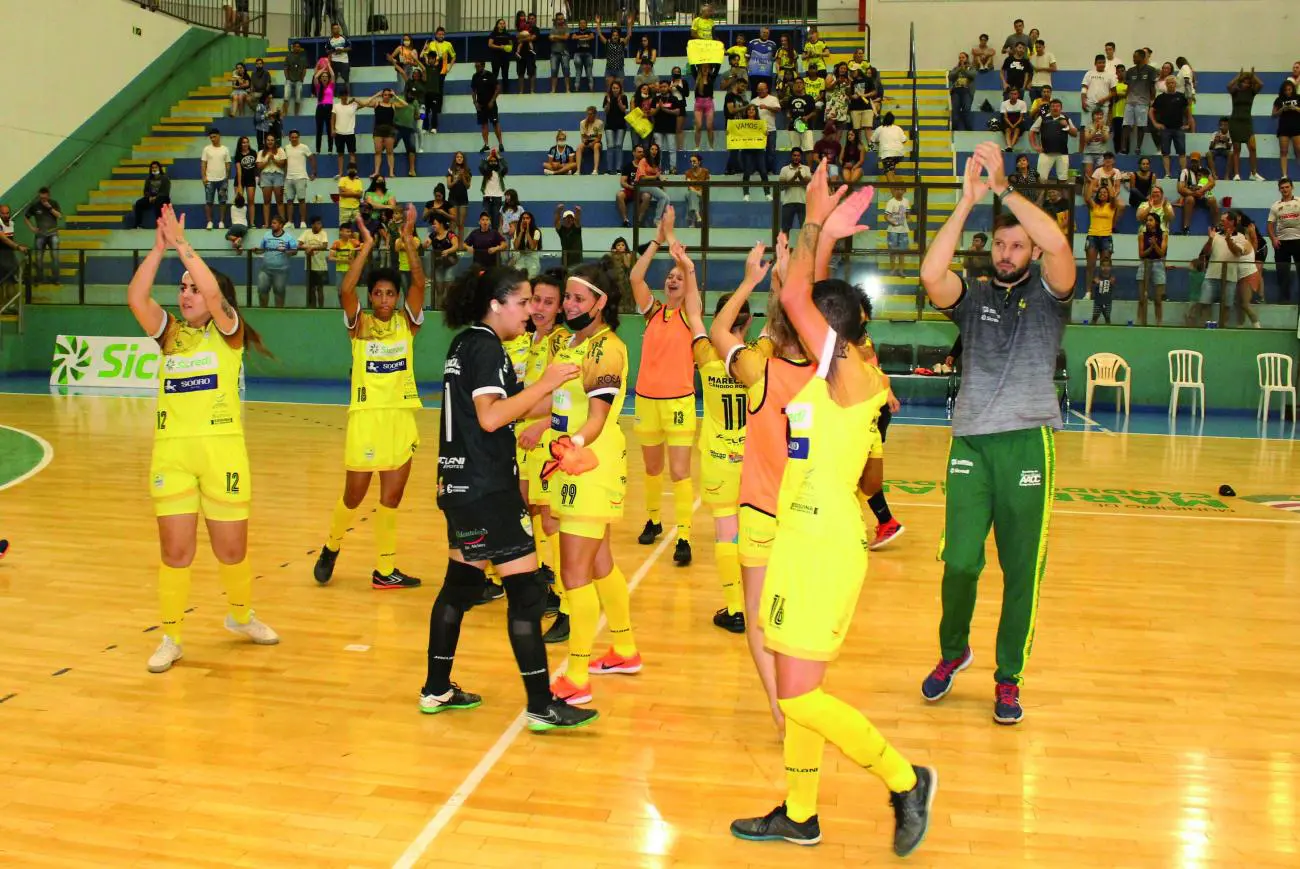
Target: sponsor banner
x: 90, y: 362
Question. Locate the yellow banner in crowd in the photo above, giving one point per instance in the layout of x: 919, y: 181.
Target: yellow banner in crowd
x: 746, y: 135
x: 700, y: 51
x: 639, y: 123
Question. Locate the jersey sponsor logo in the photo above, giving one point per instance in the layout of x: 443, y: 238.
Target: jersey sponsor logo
x: 1031, y: 478
x: 385, y: 349
x: 797, y: 448
x: 561, y: 400
x: 451, y: 366
x: 392, y: 366
x: 180, y: 385
x: 526, y: 523
x: 559, y: 422
x: 716, y: 381
x: 989, y: 314
x: 451, y: 462
x: 960, y: 466
x: 198, y: 363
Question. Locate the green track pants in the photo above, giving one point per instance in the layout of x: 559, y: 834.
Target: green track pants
x: 1005, y: 481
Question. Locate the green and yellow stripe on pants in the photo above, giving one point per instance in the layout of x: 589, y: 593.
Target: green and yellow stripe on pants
x: 1004, y: 481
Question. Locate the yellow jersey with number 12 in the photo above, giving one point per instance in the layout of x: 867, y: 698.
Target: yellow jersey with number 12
x: 383, y: 363
x: 602, y: 359
x: 198, y: 381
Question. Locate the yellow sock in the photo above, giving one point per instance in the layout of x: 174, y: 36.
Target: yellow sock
x: 539, y: 536
x: 584, y: 614
x: 173, y: 595
x: 683, y: 507
x: 559, y: 579
x: 728, y: 556
x: 851, y: 732
x: 618, y: 610
x: 237, y: 580
x: 654, y: 496
x: 385, y: 539
x: 803, y: 749
x: 493, y: 575
x: 340, y: 521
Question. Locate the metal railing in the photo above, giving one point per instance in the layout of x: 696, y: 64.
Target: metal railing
x: 226, y: 15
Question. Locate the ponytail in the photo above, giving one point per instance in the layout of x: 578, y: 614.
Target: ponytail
x: 251, y: 336
x: 468, y: 299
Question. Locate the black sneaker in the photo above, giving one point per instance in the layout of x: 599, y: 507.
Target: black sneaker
x: 558, y: 632
x: 776, y: 826
x: 1006, y: 704
x: 682, y: 553
x: 491, y: 592
x: 912, y: 811
x: 650, y: 532
x: 484, y: 149
x: 4, y: 547
x: 561, y: 716
x: 324, y: 569
x: 431, y: 705
x: 552, y: 603
x: 939, y: 682
x: 547, y: 574
x: 396, y: 579
x: 734, y: 622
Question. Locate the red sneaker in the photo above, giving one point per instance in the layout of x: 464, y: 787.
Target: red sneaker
x: 613, y: 662
x: 885, y: 532
x: 565, y: 690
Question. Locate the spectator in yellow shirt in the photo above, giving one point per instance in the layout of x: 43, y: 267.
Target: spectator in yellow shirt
x: 702, y: 26
x: 740, y: 50
x: 815, y: 51
x: 1101, y: 228
x: 350, y: 190
x: 344, y: 250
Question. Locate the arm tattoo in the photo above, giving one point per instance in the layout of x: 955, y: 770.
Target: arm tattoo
x: 809, y: 236
x: 227, y: 310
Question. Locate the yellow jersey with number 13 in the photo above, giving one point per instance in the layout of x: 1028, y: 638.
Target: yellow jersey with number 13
x: 198, y: 381
x: 383, y: 362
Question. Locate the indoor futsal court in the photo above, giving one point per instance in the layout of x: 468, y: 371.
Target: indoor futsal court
x: 1160, y: 724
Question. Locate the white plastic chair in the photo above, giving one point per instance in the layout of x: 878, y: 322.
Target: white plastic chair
x: 1275, y: 376
x: 1186, y: 371
x: 1105, y: 369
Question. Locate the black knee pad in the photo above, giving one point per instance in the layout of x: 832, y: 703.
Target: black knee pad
x: 525, y: 595
x: 463, y: 586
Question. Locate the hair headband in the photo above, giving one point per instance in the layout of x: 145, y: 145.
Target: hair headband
x: 588, y: 284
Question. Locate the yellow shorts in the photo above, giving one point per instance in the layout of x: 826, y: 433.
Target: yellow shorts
x: 757, y: 534
x: 811, y: 592
x: 531, y: 463
x: 672, y: 419
x: 207, y: 475
x: 720, y: 480
x: 380, y: 440
x: 585, y: 504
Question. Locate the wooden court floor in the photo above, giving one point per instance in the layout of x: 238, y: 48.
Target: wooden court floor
x: 1161, y: 725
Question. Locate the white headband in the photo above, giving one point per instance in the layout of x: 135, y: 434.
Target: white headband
x: 588, y: 284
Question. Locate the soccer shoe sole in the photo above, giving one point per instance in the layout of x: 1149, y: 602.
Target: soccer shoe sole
x: 546, y: 727
x: 448, y: 707
x: 803, y: 842
x: 952, y: 679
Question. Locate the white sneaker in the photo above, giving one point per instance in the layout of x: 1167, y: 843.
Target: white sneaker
x: 221, y: 224
x: 168, y: 653
x: 209, y: 224
x: 1236, y: 177
x: 1255, y: 176
x: 594, y: 172
x: 434, y: 131
x: 767, y: 196
x: 255, y: 630
x: 746, y: 197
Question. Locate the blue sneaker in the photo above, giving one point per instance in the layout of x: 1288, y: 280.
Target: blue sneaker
x: 1006, y: 704
x: 939, y: 682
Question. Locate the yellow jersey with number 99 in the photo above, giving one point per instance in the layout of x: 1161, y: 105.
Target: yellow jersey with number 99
x: 198, y: 381
x: 602, y: 359
x: 383, y: 362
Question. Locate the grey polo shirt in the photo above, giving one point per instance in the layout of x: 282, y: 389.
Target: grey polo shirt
x: 1010, y: 337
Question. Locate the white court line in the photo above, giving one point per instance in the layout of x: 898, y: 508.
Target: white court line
x: 40, y: 466
x: 1117, y: 514
x: 466, y: 788
x: 1090, y: 421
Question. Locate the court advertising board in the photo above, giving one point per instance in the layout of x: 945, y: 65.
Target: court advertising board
x: 102, y: 361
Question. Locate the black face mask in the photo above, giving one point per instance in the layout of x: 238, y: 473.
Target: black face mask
x: 582, y: 321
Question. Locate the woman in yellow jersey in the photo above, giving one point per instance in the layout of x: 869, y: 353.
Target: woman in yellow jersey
x: 545, y: 332
x: 887, y: 527
x: 587, y: 410
x: 200, y: 463
x: 722, y: 442
x: 819, y: 558
x: 382, y: 434
x: 665, y: 394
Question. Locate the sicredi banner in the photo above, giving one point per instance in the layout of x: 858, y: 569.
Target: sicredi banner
x: 98, y: 361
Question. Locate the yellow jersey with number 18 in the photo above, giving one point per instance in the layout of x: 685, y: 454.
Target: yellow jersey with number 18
x: 383, y: 363
x: 198, y: 381
x: 602, y: 359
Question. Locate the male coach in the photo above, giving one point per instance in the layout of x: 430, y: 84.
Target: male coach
x: 1002, y: 462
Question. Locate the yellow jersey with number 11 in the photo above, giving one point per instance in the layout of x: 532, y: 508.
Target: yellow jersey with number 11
x: 198, y: 380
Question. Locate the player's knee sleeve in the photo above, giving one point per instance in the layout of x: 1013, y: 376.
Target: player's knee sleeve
x: 525, y: 596
x: 463, y: 586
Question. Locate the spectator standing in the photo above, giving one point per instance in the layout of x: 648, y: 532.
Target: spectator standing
x: 271, y: 162
x: 891, y: 144
x: 385, y: 103
x: 794, y: 191
x: 439, y: 57
x: 42, y: 218
x: 702, y: 24
x: 568, y: 226
x: 1102, y: 294
x: 277, y: 247
x: 1013, y: 111
x: 1096, y: 92
x: 584, y: 53
x: 486, y: 242
x: 815, y: 51
x: 591, y: 133
x: 406, y: 124
x: 316, y: 243
x: 434, y: 90
x: 1187, y: 85
x: 668, y: 108
x: 340, y: 48
x: 444, y: 247
x: 801, y: 117
x: 615, y: 51
x: 751, y: 159
x: 1044, y: 65
x: 259, y: 82
x: 768, y: 107
x: 1219, y: 258
x: 647, y: 178
x: 9, y: 252
x: 1241, y: 123
x: 526, y: 36
x: 1250, y: 277
x: 706, y: 75
x: 1196, y: 190
x: 737, y: 72
x: 627, y: 193
x: 733, y: 106
x: 697, y: 176
x: 351, y: 190
x: 961, y: 89
x: 1286, y: 108
x: 1017, y: 70
x: 827, y: 150
x: 982, y: 54
x: 1284, y: 233
x: 897, y: 231
x: 296, y: 177
x: 322, y: 85
x: 1017, y: 37
x: 1141, y: 81
x: 1153, y: 246
x: 646, y: 77
x: 1050, y: 137
x: 484, y: 90
x: 1118, y: 107
x: 493, y: 170
x: 262, y: 120
x: 527, y: 245
x: 762, y: 60
x: 214, y: 169
x: 343, y: 125
x: 501, y: 50
x: 1171, y: 116
x: 1112, y: 65
x: 511, y: 213
x: 616, y: 109
x: 646, y: 55
x: 787, y: 59
x: 1096, y: 141
x: 295, y: 71
x: 458, y: 181
x: 1220, y: 150
x: 1100, y: 242
x: 343, y: 251
x: 561, y: 58
x: 157, y: 193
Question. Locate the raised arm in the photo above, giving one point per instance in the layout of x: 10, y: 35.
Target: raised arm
x: 696, y: 323
x: 139, y: 293
x: 173, y: 230
x: 414, y: 256
x: 940, y: 282
x: 348, y: 288
x: 640, y: 289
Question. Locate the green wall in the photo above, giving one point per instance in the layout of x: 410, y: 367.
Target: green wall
x: 124, y: 120
x: 312, y: 345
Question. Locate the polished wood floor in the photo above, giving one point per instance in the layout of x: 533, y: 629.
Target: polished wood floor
x: 1161, y: 724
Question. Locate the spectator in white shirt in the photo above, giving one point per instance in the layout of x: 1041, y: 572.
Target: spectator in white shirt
x: 1044, y: 66
x: 768, y: 107
x: 1098, y: 88
x: 1187, y: 85
x: 1013, y: 111
x: 1109, y: 57
x: 296, y: 177
x: 891, y: 144
x: 794, y: 191
x: 1219, y: 259
x: 215, y: 170
x: 315, y: 242
x: 1284, y: 232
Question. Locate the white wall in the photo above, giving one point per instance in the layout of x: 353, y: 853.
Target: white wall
x: 1212, y: 34
x: 63, y: 60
